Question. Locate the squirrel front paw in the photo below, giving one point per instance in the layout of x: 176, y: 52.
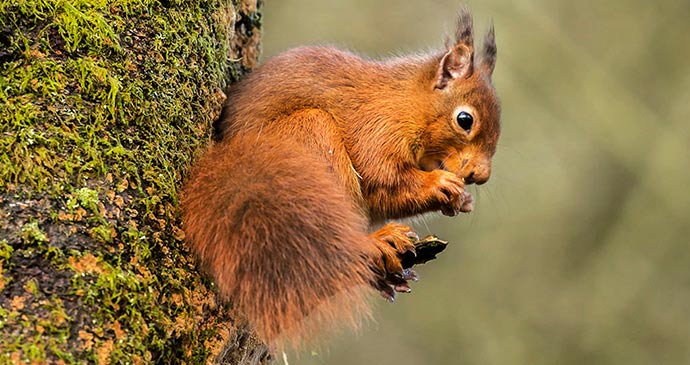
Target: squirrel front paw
x: 392, y: 243
x: 449, y: 191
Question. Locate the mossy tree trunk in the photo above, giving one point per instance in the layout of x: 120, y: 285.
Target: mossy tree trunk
x: 103, y: 105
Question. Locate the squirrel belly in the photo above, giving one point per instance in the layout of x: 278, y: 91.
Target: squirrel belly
x: 273, y: 226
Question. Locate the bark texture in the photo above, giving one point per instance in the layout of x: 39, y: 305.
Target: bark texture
x: 103, y: 106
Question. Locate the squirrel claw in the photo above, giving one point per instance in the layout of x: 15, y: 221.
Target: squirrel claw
x: 409, y: 274
x: 402, y: 288
x: 468, y: 203
x: 464, y: 203
x: 385, y: 290
x: 399, y: 283
x: 413, y: 235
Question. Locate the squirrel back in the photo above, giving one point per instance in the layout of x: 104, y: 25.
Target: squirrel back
x: 317, y: 147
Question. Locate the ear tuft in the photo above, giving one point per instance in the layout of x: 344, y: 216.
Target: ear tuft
x: 464, y: 28
x: 488, y: 53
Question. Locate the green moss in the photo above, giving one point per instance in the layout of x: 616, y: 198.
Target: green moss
x: 5, y: 250
x: 47, y: 336
x: 101, y: 77
x: 33, y: 352
x: 32, y: 234
x: 103, y: 104
x: 87, y: 198
x: 85, y: 23
x: 31, y: 287
x: 55, y: 255
x: 4, y: 314
x: 103, y: 233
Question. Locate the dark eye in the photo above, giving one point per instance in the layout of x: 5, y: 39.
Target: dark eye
x: 465, y: 121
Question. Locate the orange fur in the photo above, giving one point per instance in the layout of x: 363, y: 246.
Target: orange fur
x: 317, y: 146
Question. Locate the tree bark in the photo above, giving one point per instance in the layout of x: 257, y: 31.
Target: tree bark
x: 103, y: 106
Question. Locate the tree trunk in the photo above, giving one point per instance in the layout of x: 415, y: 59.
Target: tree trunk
x: 103, y: 105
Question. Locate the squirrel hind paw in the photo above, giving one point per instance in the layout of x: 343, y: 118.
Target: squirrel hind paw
x: 392, y: 245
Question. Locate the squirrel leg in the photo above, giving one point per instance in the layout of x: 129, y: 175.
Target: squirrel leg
x: 416, y: 192
x: 391, y: 243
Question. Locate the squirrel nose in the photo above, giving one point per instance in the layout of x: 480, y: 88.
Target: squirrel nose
x: 478, y: 177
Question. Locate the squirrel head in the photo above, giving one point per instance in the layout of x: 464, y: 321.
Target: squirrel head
x: 463, y: 133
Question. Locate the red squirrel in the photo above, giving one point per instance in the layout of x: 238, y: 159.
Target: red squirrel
x: 314, y: 149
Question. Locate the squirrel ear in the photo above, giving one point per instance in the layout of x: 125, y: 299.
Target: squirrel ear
x: 488, y: 53
x: 458, y: 61
x: 455, y: 64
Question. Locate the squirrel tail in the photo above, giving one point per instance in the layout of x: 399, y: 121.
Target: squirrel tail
x: 282, y: 241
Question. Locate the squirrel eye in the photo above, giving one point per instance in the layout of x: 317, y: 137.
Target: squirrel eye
x: 465, y: 121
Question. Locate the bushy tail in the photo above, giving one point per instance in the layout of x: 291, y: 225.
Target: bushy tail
x: 280, y: 238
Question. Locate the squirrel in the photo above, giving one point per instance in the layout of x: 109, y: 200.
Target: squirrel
x: 315, y: 149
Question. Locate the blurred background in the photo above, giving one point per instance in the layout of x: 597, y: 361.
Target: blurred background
x: 579, y: 249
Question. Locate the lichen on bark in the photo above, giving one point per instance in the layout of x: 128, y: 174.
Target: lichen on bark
x: 103, y: 105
